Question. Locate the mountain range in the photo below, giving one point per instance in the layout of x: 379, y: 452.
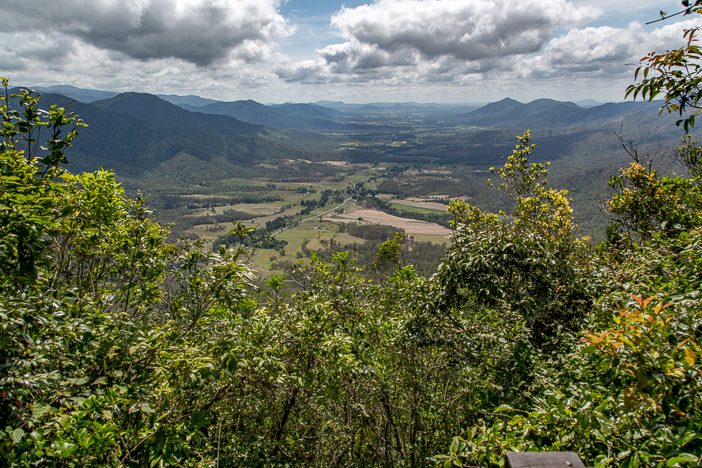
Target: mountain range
x: 296, y: 116
x: 548, y: 113
x: 334, y: 115
x: 137, y: 132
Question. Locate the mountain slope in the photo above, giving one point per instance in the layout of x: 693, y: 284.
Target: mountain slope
x: 189, y: 100
x: 79, y: 94
x: 493, y: 113
x: 134, y: 133
x: 547, y: 113
x: 154, y: 109
x: 247, y: 111
x: 295, y: 116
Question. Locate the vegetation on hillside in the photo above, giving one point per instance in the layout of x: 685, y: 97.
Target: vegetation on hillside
x: 120, y: 348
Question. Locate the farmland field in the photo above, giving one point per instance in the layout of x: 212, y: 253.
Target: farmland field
x: 302, y: 217
x: 411, y: 226
x: 422, y: 203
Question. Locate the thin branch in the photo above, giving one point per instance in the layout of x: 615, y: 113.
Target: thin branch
x: 629, y: 147
x: 686, y: 11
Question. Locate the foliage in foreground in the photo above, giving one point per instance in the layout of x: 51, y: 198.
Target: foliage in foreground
x: 118, y: 348
x: 627, y: 393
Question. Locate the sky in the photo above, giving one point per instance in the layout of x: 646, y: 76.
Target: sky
x: 450, y: 51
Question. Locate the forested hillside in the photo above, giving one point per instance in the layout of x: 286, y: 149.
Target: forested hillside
x: 120, y: 348
x: 134, y: 133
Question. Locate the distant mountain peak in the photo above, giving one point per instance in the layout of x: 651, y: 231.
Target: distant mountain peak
x: 550, y: 113
x: 152, y: 108
x: 504, y: 106
x: 135, y: 102
x: 552, y: 102
x: 507, y: 100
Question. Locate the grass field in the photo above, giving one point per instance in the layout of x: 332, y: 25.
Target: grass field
x: 414, y: 209
x: 411, y: 226
x: 421, y: 203
x: 314, y: 234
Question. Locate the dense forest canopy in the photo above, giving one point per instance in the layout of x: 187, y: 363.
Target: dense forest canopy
x: 118, y: 347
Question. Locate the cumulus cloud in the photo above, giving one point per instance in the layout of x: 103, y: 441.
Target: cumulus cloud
x: 467, y: 41
x: 604, y: 50
x: 465, y: 29
x: 197, y: 31
x: 601, y: 50
x: 471, y: 34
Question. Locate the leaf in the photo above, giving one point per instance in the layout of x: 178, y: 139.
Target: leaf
x: 78, y: 381
x: 100, y: 381
x: 457, y: 446
x: 66, y: 449
x: 17, y: 435
x: 503, y: 409
x: 690, y: 356
x: 146, y: 408
x: 155, y: 461
x: 638, y: 300
x: 682, y: 458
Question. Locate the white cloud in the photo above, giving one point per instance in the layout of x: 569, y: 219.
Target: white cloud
x: 605, y: 51
x: 465, y: 29
x: 602, y: 50
x: 467, y: 41
x: 70, y: 61
x: 401, y: 36
x: 197, y: 31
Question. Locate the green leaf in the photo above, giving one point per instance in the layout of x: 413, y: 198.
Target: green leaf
x: 146, y: 408
x: 66, y: 449
x: 456, y: 445
x: 100, y: 381
x: 682, y: 458
x: 503, y: 409
x: 17, y: 435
